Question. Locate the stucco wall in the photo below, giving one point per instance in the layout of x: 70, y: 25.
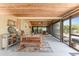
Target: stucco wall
x: 3, y: 25
x: 21, y: 24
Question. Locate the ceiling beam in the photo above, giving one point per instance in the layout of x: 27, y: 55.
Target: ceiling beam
x: 41, y: 18
x: 71, y: 12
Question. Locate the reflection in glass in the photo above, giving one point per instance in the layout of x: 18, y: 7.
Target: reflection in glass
x: 75, y: 32
x: 66, y: 31
x: 39, y: 29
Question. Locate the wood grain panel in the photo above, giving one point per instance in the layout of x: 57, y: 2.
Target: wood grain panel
x: 38, y: 9
x: 54, y: 10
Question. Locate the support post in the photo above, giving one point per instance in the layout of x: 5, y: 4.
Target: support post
x: 70, y: 31
x: 61, y: 30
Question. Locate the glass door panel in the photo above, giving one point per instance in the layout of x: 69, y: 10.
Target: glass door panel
x: 39, y: 30
x: 75, y: 32
x: 66, y: 31
x: 35, y: 30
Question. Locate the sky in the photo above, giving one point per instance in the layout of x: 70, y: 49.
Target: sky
x: 73, y: 21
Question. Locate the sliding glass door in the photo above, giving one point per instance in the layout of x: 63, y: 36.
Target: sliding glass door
x: 75, y: 32
x: 39, y: 29
x: 35, y: 30
x: 66, y: 31
x: 56, y: 30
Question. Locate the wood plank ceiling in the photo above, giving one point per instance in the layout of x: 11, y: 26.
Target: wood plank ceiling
x: 36, y: 9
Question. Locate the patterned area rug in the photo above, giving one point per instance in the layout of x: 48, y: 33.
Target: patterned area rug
x: 46, y: 48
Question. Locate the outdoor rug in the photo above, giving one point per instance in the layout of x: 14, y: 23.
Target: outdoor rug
x: 46, y: 48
